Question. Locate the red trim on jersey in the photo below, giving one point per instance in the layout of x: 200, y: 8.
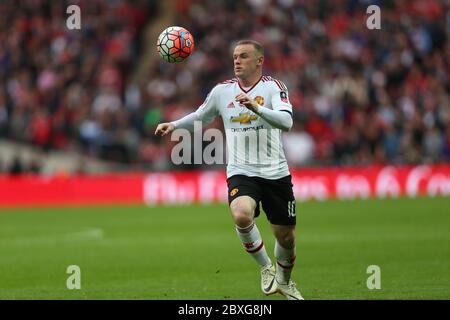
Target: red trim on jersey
x: 279, y: 83
x: 247, y: 91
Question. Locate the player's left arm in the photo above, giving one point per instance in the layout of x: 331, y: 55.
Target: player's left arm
x: 279, y: 117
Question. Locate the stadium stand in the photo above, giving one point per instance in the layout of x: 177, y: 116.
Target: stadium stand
x: 360, y: 96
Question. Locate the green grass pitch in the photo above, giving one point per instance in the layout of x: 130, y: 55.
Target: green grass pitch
x: 193, y: 252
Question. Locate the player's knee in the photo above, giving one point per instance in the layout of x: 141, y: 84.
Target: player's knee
x: 241, y: 218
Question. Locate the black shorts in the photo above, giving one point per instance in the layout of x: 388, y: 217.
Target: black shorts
x: 276, y: 196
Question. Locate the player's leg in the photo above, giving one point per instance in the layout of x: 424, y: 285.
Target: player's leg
x: 285, y: 255
x: 284, y: 251
x: 244, y: 197
x: 243, y: 210
x: 279, y: 206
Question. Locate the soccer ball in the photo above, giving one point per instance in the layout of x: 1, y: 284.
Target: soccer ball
x: 175, y: 44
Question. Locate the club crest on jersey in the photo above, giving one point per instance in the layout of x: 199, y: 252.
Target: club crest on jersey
x: 283, y: 96
x: 244, y: 118
x: 234, y: 191
x: 259, y: 100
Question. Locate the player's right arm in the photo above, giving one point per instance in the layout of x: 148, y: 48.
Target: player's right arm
x: 164, y: 128
x: 206, y: 113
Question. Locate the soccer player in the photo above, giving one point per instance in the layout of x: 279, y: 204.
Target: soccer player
x: 255, y: 109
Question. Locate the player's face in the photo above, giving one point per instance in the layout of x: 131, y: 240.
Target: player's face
x: 246, y: 60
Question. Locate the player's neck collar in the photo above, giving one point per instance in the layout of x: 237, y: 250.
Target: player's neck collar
x: 251, y: 88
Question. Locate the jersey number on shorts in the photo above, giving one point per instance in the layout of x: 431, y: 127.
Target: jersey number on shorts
x: 291, y: 209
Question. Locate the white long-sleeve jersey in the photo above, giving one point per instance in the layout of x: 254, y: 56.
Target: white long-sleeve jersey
x: 254, y: 145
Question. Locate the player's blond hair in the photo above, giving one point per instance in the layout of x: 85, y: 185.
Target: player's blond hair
x: 258, y: 46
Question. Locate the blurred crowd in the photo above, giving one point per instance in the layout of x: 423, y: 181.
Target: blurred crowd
x: 360, y: 96
x: 63, y: 89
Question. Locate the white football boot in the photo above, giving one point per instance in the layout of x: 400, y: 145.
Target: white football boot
x: 268, y: 282
x: 289, y: 290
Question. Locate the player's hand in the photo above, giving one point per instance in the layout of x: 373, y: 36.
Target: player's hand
x: 247, y: 102
x: 164, y: 128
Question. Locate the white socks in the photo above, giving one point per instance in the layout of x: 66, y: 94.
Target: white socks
x: 252, y: 241
x: 285, y: 263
